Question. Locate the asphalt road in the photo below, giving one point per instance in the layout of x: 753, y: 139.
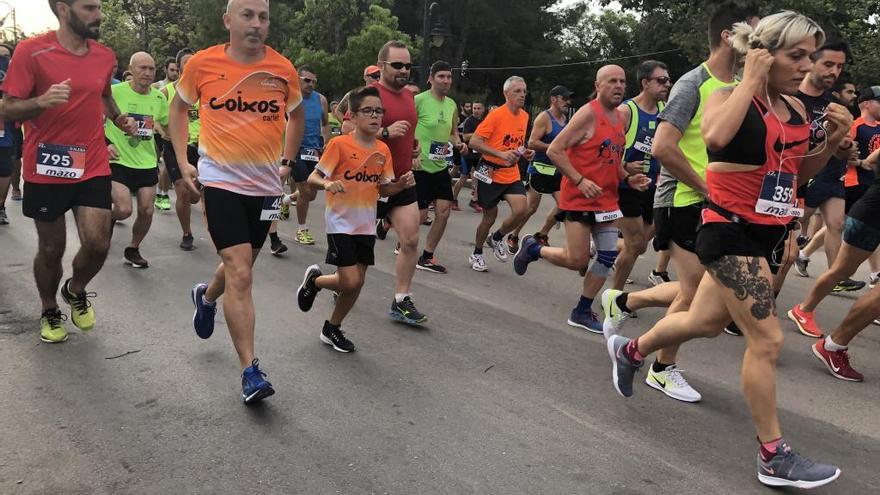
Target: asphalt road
x: 497, y: 395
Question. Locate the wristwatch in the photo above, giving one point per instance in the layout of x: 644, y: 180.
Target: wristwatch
x: 286, y: 163
x: 384, y: 133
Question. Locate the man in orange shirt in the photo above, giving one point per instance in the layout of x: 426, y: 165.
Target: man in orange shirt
x: 244, y: 90
x: 501, y: 139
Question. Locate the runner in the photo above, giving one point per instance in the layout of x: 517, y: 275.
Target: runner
x: 398, y: 132
x: 182, y: 203
x: 163, y: 201
x: 65, y: 160
x: 133, y: 160
x: 316, y: 134
x: 544, y: 177
x: 172, y: 72
x: 858, y: 228
x: 501, y: 139
x: 752, y: 191
x: 640, y: 121
x: 354, y: 170
x: 244, y: 89
x: 472, y: 157
x: 7, y: 143
x: 589, y: 153
x: 436, y: 130
x: 372, y: 73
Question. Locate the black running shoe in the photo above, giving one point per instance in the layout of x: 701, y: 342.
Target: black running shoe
x: 848, y: 285
x: 334, y: 336
x: 307, y: 291
x: 186, y: 243
x: 733, y: 329
x: 406, y: 312
x: 381, y: 229
x: 430, y: 265
x: 133, y: 257
x: 277, y: 247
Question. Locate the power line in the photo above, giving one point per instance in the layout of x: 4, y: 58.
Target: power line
x: 570, y: 64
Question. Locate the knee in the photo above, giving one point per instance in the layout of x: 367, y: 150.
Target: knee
x: 637, y: 244
x: 350, y: 284
x: 121, y: 212
x: 238, y: 279
x: 489, y: 216
x: 576, y: 261
x: 51, y: 250
x: 409, y: 242
x: 145, y: 210
x: 442, y: 212
x: 767, y: 346
x: 834, y: 224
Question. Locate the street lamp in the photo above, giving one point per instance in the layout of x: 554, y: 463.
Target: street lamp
x: 431, y: 36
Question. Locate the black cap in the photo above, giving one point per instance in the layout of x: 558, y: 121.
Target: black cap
x: 869, y: 93
x: 561, y: 91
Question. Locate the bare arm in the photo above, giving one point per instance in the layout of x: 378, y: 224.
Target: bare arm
x: 665, y: 148
x: 325, y: 120
x: 839, y: 122
x: 293, y: 134
x: 581, y: 126
x: 539, y: 130
x: 479, y: 144
x: 178, y: 133
x: 28, y: 109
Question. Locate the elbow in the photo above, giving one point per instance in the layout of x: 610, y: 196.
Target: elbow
x: 713, y: 141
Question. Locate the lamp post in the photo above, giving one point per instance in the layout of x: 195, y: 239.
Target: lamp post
x: 431, y: 36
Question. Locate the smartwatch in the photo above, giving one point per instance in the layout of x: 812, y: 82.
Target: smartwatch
x: 384, y: 133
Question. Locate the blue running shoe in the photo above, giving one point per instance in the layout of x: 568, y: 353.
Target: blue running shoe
x: 623, y: 369
x: 522, y: 258
x: 788, y: 468
x: 203, y: 316
x: 589, y: 321
x: 254, y: 386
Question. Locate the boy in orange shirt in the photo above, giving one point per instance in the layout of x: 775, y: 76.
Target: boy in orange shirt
x: 355, y: 170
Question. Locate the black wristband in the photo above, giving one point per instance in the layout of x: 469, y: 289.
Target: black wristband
x: 286, y: 163
x: 579, y: 181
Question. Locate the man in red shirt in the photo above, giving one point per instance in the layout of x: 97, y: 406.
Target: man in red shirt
x: 398, y: 132
x: 59, y: 84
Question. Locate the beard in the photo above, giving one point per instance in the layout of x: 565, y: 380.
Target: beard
x: 83, y: 30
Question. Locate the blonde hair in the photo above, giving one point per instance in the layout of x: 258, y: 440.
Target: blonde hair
x: 776, y: 32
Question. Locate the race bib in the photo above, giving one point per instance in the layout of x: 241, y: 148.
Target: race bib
x: 57, y: 160
x: 483, y: 173
x: 643, y: 147
x: 271, y: 208
x: 778, y: 195
x: 309, y: 154
x: 439, y: 151
x: 608, y: 216
x: 144, y: 125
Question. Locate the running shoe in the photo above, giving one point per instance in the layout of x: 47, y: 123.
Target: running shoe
x: 203, y: 316
x: 406, y: 312
x: 254, y: 386
x: 800, y: 266
x: 162, y: 202
x: 656, y: 278
x: 381, y: 229
x: 430, y: 265
x: 133, y: 257
x: 455, y: 206
x: 4, y: 220
x: 284, y: 213
x: 615, y: 316
x: 733, y: 329
x: 788, y: 468
x: 334, y: 336
x: 512, y: 244
x: 81, y: 312
x: 303, y: 236
x: 542, y: 239
x: 802, y: 241
x: 848, y: 285
x: 498, y: 249
x: 837, y: 362
x: 51, y: 329
x: 873, y: 280
x: 522, y: 257
x: 186, y: 243
x: 16, y: 195
x: 276, y: 247
x: 623, y: 370
x: 805, y: 321
x: 478, y: 262
x: 428, y: 221
x: 475, y: 206
x: 157, y: 202
x: 305, y: 295
x: 396, y: 249
x: 588, y: 321
x: 672, y: 383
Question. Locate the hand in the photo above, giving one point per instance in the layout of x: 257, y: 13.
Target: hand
x: 838, y: 124
x: 408, y: 180
x: 634, y: 167
x: 758, y: 63
x: 57, y: 94
x: 126, y: 124
x: 589, y: 188
x: 510, y: 157
x: 335, y: 186
x: 398, y: 129
x: 462, y: 148
x: 639, y: 182
x: 190, y: 176
x: 284, y: 171
x: 114, y: 154
x: 529, y: 154
x: 417, y: 151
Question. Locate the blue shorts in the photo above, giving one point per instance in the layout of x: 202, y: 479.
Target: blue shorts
x: 821, y: 190
x: 859, y: 234
x: 302, y: 169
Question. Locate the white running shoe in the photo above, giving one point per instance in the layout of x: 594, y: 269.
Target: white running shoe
x: 499, y: 249
x: 672, y: 383
x: 478, y: 263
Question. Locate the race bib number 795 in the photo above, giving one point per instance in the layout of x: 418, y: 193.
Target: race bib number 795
x: 64, y: 162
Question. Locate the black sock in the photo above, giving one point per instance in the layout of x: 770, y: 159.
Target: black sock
x: 331, y: 326
x: 478, y: 250
x: 426, y: 255
x: 621, y: 302
x: 274, y: 236
x: 657, y: 367
x: 497, y: 236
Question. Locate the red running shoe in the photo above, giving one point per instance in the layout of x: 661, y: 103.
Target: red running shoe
x: 476, y: 206
x: 805, y: 321
x: 837, y: 362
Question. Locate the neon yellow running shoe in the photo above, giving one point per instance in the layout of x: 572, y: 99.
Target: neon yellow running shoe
x: 51, y: 329
x: 81, y: 312
x: 303, y: 236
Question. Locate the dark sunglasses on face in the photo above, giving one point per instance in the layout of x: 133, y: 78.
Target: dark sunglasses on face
x: 661, y: 79
x: 400, y: 65
x: 371, y: 112
x: 374, y: 76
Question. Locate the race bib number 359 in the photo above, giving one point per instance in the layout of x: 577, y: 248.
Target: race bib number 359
x: 778, y: 195
x: 62, y: 161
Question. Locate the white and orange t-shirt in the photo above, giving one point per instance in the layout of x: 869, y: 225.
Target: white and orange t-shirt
x: 243, y: 111
x: 504, y: 131
x: 362, y: 170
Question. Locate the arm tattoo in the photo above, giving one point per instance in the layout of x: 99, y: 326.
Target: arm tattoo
x: 744, y: 278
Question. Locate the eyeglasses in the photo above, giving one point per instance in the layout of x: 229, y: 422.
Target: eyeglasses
x: 374, y: 76
x: 399, y: 65
x: 371, y: 111
x: 309, y: 81
x: 660, y: 80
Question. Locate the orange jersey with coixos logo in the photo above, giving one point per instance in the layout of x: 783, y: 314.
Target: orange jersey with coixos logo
x: 243, y: 111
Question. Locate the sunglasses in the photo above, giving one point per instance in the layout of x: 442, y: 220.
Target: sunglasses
x: 371, y: 112
x: 309, y: 81
x: 660, y: 80
x: 399, y: 65
x: 374, y: 76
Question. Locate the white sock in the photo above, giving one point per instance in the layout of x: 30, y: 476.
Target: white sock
x: 206, y: 301
x: 400, y: 297
x: 831, y: 346
x: 875, y: 274
x: 802, y: 255
x: 303, y: 226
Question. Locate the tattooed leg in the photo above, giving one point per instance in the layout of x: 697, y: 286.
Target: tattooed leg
x: 743, y: 276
